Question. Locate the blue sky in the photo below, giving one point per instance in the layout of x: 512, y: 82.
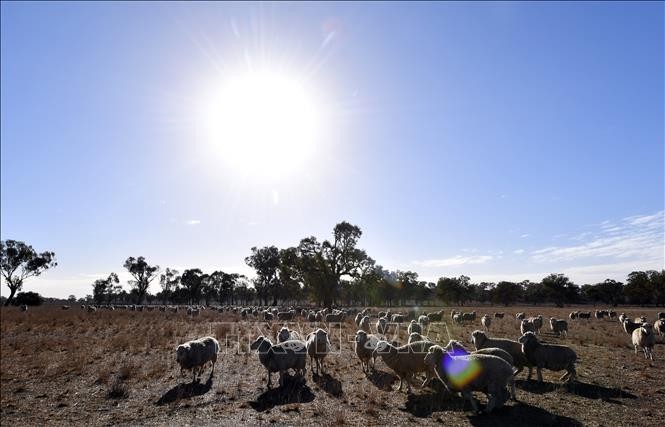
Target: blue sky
x: 497, y: 140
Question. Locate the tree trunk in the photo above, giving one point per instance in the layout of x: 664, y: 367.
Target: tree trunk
x: 11, y: 295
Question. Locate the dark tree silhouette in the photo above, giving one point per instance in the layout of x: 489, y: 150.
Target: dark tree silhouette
x: 266, y: 263
x: 104, y: 289
x: 19, y: 261
x: 192, y: 280
x: 169, y: 282
x: 28, y: 298
x: 143, y: 274
x: 506, y: 293
x: 323, y: 265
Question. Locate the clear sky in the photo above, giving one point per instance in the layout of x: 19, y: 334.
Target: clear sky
x: 496, y: 140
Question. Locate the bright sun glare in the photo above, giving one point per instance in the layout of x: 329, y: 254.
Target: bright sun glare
x: 263, y: 123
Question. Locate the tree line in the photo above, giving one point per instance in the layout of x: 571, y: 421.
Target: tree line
x: 326, y: 273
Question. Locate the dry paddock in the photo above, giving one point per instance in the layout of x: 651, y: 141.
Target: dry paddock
x: 76, y: 368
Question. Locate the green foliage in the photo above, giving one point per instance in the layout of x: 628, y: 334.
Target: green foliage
x: 143, y: 273
x: 169, y: 281
x: 103, y: 290
x: 191, y: 281
x: 19, y: 261
x: 28, y: 298
x: 639, y: 288
x: 507, y: 293
x: 266, y: 263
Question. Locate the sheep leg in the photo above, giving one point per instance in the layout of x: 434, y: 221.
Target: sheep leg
x: 474, y: 404
x: 635, y: 349
x: 513, y: 395
x: 269, y: 380
x: 572, y: 373
x: 539, y: 371
x: 491, y: 403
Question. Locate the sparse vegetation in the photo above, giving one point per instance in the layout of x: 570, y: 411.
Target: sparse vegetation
x: 84, y: 364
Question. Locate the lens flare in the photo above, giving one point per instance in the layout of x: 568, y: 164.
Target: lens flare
x: 459, y: 369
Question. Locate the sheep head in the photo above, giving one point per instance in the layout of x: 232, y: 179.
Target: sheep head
x: 455, y: 347
x: 478, y: 338
x: 262, y: 344
x: 181, y: 353
x: 528, y: 340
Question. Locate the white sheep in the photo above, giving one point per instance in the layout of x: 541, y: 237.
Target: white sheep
x: 196, y: 353
x: 559, y: 326
x: 436, y: 316
x: 423, y: 320
x: 365, y: 344
x: 364, y: 324
x: 414, y: 327
x: 285, y: 315
x: 334, y: 317
x: 406, y: 360
x: 659, y: 327
x: 527, y: 326
x: 382, y: 325
x: 285, y: 334
x: 457, y: 348
x: 644, y: 338
x: 318, y: 346
x: 548, y: 356
x: 629, y: 326
x: 493, y: 375
x: 486, y: 321
x: 537, y: 323
x: 358, y: 318
x: 281, y: 357
x: 415, y: 336
x: 481, y: 341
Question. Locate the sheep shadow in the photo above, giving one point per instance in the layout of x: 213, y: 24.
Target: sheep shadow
x: 594, y: 391
x: 589, y: 391
x: 294, y: 390
x: 423, y: 405
x: 521, y: 414
x: 185, y: 391
x: 536, y: 387
x: 327, y: 383
x: 382, y: 380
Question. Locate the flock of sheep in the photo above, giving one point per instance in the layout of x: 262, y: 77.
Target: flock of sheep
x: 492, y: 366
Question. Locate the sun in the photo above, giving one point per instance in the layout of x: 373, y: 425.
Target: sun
x: 263, y: 124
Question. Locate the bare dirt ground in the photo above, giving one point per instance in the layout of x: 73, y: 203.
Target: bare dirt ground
x: 117, y: 367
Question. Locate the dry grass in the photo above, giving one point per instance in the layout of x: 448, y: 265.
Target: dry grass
x: 72, y: 367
